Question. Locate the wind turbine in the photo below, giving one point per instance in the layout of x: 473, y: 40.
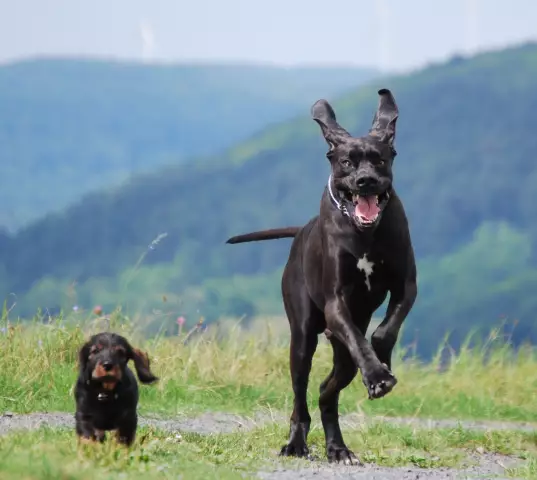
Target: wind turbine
x: 148, y: 40
x: 383, y: 14
x: 471, y: 26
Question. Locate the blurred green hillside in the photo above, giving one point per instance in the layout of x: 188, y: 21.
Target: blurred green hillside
x: 70, y: 126
x: 466, y: 171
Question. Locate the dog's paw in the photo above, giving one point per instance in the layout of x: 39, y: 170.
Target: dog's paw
x: 379, y: 381
x: 341, y: 454
x: 293, y: 450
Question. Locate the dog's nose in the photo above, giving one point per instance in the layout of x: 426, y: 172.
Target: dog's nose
x: 107, y: 366
x: 364, y: 182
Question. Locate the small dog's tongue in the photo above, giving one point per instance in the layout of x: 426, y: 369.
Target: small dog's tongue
x: 366, y: 207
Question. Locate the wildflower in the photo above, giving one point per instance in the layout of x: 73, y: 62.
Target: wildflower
x: 180, y: 323
x: 97, y: 310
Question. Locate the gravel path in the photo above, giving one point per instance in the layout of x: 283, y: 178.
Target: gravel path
x: 487, y: 465
x: 227, y: 422
x: 204, y: 424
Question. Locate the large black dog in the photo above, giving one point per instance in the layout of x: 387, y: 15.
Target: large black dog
x: 340, y: 269
x: 106, y: 390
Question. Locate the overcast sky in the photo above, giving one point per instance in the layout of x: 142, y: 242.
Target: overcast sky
x: 391, y: 34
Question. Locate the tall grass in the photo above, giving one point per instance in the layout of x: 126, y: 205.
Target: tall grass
x: 229, y: 368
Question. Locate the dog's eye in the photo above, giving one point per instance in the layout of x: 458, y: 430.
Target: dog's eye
x: 121, y: 352
x: 346, y: 163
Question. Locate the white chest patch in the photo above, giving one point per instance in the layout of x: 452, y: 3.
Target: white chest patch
x: 366, y: 266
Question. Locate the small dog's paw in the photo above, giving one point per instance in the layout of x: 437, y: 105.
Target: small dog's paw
x: 293, y: 450
x: 341, y: 454
x: 86, y: 441
x: 379, y: 381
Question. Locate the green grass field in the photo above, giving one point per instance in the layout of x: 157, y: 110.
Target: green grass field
x: 246, y: 372
x: 53, y: 454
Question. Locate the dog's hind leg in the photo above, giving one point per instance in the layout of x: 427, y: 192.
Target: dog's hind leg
x: 304, y: 338
x: 303, y: 346
x: 342, y: 374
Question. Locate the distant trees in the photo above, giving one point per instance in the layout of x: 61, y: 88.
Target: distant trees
x: 464, y: 172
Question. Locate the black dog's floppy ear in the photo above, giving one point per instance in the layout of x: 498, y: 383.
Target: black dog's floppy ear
x: 141, y: 364
x: 385, y: 118
x: 324, y: 115
x: 83, y: 357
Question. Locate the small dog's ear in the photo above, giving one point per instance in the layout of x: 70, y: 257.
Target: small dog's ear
x: 385, y: 118
x: 141, y: 364
x: 83, y: 357
x: 323, y: 113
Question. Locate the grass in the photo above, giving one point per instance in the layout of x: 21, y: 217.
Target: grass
x: 235, y: 370
x: 54, y: 454
x: 244, y: 371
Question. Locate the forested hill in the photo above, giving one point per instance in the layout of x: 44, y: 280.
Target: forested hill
x: 466, y: 171
x: 70, y: 126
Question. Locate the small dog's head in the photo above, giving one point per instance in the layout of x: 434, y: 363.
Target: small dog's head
x: 361, y: 167
x: 104, y: 357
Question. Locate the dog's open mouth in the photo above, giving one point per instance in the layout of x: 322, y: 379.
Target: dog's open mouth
x: 108, y: 382
x: 368, y: 208
x: 107, y: 379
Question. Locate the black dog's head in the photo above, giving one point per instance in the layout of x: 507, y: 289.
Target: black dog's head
x: 361, y: 167
x: 104, y: 357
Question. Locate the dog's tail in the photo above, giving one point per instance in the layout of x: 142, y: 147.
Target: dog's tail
x: 287, y: 232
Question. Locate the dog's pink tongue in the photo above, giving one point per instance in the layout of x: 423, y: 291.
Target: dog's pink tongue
x: 367, y: 208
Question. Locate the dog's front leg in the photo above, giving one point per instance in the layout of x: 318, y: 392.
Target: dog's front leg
x: 352, y: 351
x: 126, y: 432
x: 376, y: 377
x: 385, y: 336
x: 85, y: 430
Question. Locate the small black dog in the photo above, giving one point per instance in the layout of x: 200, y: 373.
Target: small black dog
x: 106, y: 391
x: 340, y: 269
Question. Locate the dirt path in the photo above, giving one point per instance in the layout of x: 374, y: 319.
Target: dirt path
x: 227, y: 422
x: 204, y: 424
x: 486, y: 465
